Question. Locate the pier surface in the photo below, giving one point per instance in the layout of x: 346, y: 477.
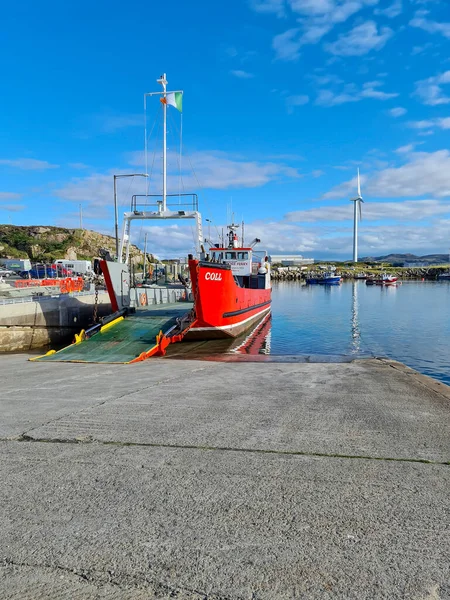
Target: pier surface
x: 200, y: 480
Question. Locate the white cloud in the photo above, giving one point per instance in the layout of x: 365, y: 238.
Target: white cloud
x: 430, y: 90
x: 293, y: 101
x: 213, y: 170
x: 405, y: 149
x: 420, y: 49
x: 78, y: 165
x: 242, y: 74
x: 360, y: 40
x: 97, y: 189
x: 12, y: 207
x: 28, y: 164
x: 423, y: 174
x: 276, y: 7
x: 286, y: 46
x: 317, y: 19
x: 398, y: 111
x: 442, y: 123
x: 329, y: 98
x: 409, y: 210
x: 9, y: 196
x: 350, y: 93
x: 377, y: 94
x: 421, y: 22
x: 391, y: 11
x: 219, y: 170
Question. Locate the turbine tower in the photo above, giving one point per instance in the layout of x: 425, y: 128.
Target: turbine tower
x: 356, y: 217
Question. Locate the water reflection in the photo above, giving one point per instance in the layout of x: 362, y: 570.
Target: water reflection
x: 356, y: 332
x: 256, y: 341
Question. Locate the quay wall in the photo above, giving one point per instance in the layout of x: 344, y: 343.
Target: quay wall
x: 29, y: 323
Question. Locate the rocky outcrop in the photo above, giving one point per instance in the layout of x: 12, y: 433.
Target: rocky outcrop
x: 46, y: 244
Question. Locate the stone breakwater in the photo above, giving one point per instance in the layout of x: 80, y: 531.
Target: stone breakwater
x: 296, y: 274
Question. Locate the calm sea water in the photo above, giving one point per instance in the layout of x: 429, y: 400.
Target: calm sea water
x: 409, y: 323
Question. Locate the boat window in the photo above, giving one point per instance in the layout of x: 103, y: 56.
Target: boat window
x: 242, y: 255
x: 230, y: 255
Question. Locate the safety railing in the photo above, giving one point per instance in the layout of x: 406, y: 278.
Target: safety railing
x: 155, y: 200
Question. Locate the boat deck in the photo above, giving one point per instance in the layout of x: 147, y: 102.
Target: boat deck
x: 125, y: 340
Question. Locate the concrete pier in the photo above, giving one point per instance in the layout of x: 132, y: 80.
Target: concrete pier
x: 35, y: 322
x: 195, y: 479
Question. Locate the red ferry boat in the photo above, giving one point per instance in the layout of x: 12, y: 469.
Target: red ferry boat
x: 231, y: 288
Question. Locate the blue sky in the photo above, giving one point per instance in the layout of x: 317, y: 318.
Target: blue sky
x: 283, y: 100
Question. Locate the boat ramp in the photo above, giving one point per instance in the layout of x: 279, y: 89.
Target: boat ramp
x: 124, y: 340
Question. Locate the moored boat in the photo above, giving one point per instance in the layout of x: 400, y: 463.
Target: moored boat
x: 328, y: 278
x: 229, y: 284
x: 231, y: 289
x: 385, y: 279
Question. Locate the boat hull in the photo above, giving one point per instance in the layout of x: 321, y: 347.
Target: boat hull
x: 390, y: 281
x: 325, y: 281
x: 222, y: 308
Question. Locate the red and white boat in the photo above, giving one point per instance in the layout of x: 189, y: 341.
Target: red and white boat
x: 230, y: 282
x: 231, y: 289
x: 384, y: 280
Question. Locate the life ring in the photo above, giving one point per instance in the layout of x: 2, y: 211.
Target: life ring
x: 143, y: 299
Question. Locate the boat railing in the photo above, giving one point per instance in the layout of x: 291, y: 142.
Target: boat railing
x: 185, y: 201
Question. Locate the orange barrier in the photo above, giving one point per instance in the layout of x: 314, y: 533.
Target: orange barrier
x: 66, y: 285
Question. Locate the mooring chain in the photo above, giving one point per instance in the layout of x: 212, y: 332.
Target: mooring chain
x: 95, y: 314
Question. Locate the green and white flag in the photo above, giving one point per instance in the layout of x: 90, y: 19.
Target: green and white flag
x: 174, y: 99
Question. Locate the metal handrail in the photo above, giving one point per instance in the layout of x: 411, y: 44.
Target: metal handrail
x: 193, y: 205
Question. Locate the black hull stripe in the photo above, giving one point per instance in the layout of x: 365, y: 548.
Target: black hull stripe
x: 244, y: 310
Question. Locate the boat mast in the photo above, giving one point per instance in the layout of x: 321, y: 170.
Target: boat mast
x: 163, y: 81
x: 162, y: 212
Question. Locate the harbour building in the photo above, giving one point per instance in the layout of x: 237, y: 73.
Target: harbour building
x: 293, y: 260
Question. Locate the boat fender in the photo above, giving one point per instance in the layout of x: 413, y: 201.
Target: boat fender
x: 143, y: 299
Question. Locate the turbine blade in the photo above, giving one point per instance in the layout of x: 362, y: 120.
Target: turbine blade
x: 360, y: 214
x: 359, y: 185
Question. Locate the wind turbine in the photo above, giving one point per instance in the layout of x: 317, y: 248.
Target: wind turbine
x: 356, y: 218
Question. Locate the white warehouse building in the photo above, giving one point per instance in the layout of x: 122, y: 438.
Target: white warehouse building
x: 290, y: 260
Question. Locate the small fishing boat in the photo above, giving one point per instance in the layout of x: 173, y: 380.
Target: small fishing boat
x: 385, y: 279
x: 328, y: 278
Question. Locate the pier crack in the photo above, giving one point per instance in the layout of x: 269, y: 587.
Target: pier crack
x: 121, y: 580
x: 207, y: 448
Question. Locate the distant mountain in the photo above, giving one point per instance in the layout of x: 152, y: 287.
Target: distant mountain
x: 432, y: 259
